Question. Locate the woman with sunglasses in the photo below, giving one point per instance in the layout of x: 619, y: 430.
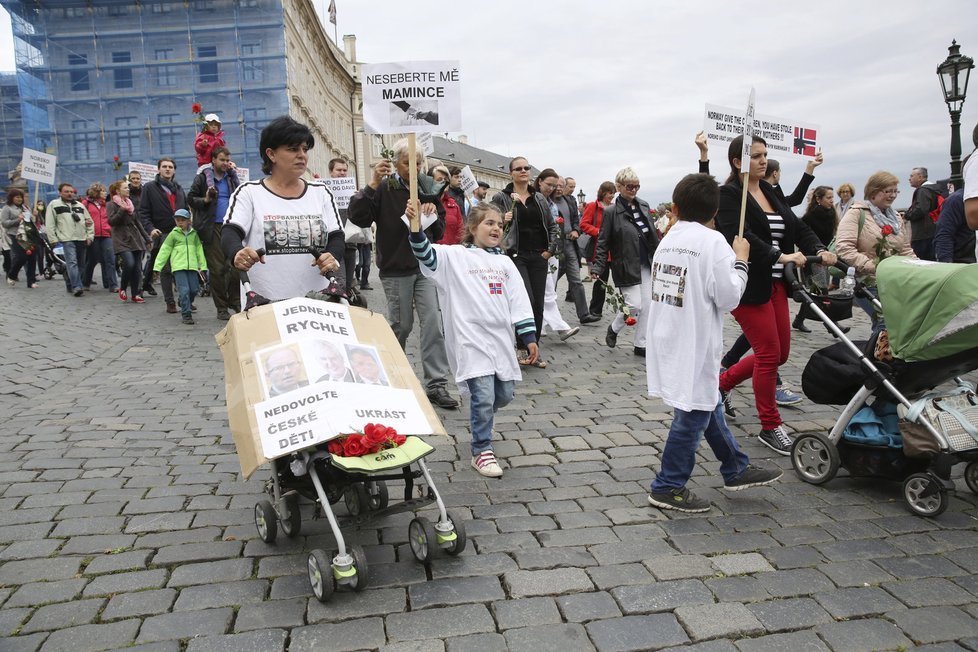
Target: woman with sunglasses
x: 628, y: 234
x: 773, y: 232
x: 532, y: 236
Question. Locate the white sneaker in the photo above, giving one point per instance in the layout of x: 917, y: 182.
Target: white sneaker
x: 485, y: 463
x: 569, y: 333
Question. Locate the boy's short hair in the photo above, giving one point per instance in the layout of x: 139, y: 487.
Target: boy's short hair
x: 697, y: 197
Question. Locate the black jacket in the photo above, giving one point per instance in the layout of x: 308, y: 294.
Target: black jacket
x: 385, y: 206
x: 511, y: 242
x: 798, y: 196
x: 204, y: 212
x: 757, y: 231
x: 155, y: 211
x: 620, y: 237
x: 922, y: 227
x: 822, y: 222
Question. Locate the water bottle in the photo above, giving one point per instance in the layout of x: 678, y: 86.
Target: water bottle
x: 848, y: 285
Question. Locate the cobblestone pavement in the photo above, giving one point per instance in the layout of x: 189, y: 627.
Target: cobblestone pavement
x: 127, y: 524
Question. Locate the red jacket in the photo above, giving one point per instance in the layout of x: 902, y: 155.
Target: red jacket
x: 100, y: 217
x: 591, y: 221
x: 205, y: 143
x: 454, y: 222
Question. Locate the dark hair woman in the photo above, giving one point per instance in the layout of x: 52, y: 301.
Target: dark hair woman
x: 129, y: 240
x: 822, y: 218
x: 532, y: 236
x: 773, y: 232
x: 285, y: 215
x: 14, y: 215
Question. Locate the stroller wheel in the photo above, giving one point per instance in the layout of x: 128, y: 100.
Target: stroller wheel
x: 377, y: 495
x: 971, y: 476
x: 422, y: 537
x: 320, y: 572
x: 356, y: 499
x: 924, y: 495
x: 815, y: 458
x: 360, y: 579
x: 293, y: 524
x: 49, y: 274
x: 457, y: 545
x: 266, y: 520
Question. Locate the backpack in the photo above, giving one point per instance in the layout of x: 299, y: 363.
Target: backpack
x: 941, y: 193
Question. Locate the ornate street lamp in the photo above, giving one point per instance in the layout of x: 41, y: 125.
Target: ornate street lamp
x: 580, y: 198
x: 954, y: 74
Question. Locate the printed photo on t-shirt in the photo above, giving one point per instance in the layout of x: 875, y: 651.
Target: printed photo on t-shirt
x: 668, y: 284
x: 293, y: 234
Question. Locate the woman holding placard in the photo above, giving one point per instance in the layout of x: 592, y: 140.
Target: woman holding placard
x: 773, y: 232
x: 282, y: 202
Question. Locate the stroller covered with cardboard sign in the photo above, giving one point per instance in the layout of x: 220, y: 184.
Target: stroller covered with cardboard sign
x: 898, y: 423
x: 307, y: 460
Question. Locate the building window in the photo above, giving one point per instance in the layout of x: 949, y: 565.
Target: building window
x: 123, y: 76
x: 161, y: 8
x: 118, y: 10
x: 75, y: 12
x: 251, y: 69
x: 168, y: 134
x: 254, y: 121
x: 207, y: 71
x: 85, y: 140
x: 165, y: 75
x: 130, y: 145
x: 203, y: 5
x: 79, y: 78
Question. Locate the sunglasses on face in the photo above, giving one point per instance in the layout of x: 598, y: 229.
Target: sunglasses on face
x: 525, y: 168
x: 632, y: 187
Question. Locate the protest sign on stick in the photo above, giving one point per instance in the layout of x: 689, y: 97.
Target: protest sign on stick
x: 745, y: 157
x: 785, y: 137
x: 469, y: 182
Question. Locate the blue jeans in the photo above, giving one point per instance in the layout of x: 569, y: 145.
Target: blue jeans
x: 74, y: 251
x: 870, y: 309
x: 188, y: 283
x: 679, y: 455
x: 132, y: 272
x: 101, y: 253
x: 487, y: 394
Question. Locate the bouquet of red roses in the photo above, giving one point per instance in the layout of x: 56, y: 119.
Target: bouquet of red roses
x: 373, y: 439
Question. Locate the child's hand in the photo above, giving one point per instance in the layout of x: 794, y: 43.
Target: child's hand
x: 534, y: 352
x: 741, y: 247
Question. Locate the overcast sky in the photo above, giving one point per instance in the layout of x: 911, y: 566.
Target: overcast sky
x: 589, y: 87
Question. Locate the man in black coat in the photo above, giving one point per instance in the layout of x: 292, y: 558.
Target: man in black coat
x: 922, y: 225
x: 161, y: 198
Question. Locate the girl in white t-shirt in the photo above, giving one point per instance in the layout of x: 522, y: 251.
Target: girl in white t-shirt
x: 483, y: 300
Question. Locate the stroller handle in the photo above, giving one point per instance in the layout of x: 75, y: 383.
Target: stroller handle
x: 793, y: 277
x: 333, y: 290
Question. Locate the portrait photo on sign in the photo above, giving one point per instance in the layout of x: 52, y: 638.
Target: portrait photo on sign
x: 327, y: 361
x: 367, y: 369
x: 415, y: 112
x: 668, y: 284
x: 293, y: 234
x: 282, y: 369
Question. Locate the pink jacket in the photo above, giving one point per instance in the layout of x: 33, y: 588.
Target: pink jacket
x: 100, y: 218
x: 205, y: 143
x: 861, y: 254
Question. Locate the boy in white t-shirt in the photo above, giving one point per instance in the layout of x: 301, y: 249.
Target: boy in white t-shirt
x: 696, y: 278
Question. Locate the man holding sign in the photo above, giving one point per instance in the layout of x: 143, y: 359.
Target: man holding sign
x: 383, y: 202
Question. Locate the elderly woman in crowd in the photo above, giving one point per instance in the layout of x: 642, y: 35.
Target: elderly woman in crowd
x: 628, y: 237
x: 846, y: 193
x: 871, y: 231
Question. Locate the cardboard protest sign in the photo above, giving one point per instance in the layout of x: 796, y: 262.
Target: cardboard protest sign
x: 784, y: 137
x: 244, y: 174
x: 427, y: 143
x: 748, y: 133
x: 469, y: 182
x: 343, y: 188
x: 411, y: 97
x: 301, y: 372
x: 145, y: 170
x: 38, y: 166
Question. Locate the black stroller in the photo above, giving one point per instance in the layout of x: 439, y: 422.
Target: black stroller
x: 931, y: 313
x: 54, y: 260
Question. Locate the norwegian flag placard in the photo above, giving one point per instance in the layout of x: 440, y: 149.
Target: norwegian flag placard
x: 805, y: 142
x: 495, y: 288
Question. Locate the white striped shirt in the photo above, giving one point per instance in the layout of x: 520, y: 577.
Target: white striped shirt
x: 776, y: 222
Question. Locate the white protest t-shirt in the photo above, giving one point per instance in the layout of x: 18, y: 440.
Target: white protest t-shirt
x: 971, y: 182
x: 481, y: 297
x: 285, y: 228
x: 693, y: 285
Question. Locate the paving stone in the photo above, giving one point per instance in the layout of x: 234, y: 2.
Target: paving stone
x: 140, y: 603
x: 608, y: 577
x: 928, y: 592
x: 78, y: 526
x: 268, y: 615
x: 62, y: 615
x: 806, y: 641
x: 934, y: 624
x: 725, y: 620
x: 346, y: 605
x: 585, y: 607
x: 91, y: 638
x: 521, y: 584
x: 98, y: 543
x: 663, y: 596
x: 632, y: 551
x: 227, y: 570
x: 30, y: 549
x: 797, y: 613
x: 565, y: 637
x: 707, y: 646
x: 430, y: 646
x: 474, y: 643
x: 126, y: 582
x: 791, y: 583
x: 30, y: 595
x: 24, y: 643
x: 737, y: 589
x: 554, y: 558
x: 858, y: 549
x: 742, y: 564
x: 679, y: 567
x: 443, y: 622
x: 39, y: 570
x: 448, y: 592
x: 189, y: 552
x: 269, y: 640
x: 469, y: 565
x: 11, y: 620
x: 113, y: 563
x: 185, y: 624
x: 863, y: 635
x: 341, y: 637
x: 225, y: 594
x: 855, y: 573
x: 636, y: 633
x: 857, y: 602
x: 920, y: 566
x: 525, y: 612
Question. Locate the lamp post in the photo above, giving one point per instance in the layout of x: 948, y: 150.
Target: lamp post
x: 580, y: 198
x: 954, y: 74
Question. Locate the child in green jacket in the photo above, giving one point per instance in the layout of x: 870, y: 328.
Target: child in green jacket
x: 185, y: 252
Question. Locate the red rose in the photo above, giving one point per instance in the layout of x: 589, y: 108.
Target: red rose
x: 398, y: 440
x: 335, y: 446
x: 887, y: 230
x: 374, y: 437
x: 560, y: 220
x: 353, y: 446
x: 196, y: 108
x: 116, y: 158
x: 630, y: 321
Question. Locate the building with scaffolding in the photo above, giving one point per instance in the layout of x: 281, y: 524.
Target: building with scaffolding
x: 102, y: 79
